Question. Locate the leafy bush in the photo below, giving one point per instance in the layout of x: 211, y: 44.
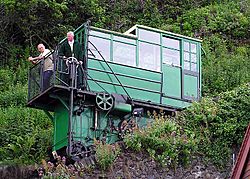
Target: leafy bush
x: 6, y: 77
x: 15, y: 96
x: 225, y: 65
x: 25, y: 135
x: 164, y: 140
x: 106, y: 154
x: 219, y: 124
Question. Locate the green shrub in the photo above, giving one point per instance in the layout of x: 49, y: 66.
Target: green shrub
x: 106, y: 154
x: 164, y: 140
x: 25, y: 135
x: 219, y: 124
x: 225, y: 66
x: 15, y: 96
x: 6, y: 78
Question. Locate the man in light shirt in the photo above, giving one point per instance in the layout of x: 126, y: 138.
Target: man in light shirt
x: 48, y: 66
x: 72, y: 48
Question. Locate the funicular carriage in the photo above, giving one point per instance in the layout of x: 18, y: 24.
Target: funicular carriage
x: 125, y: 75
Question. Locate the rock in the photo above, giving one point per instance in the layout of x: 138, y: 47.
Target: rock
x: 132, y: 165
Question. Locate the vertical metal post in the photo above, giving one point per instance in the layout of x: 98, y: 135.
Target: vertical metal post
x: 81, y: 135
x: 41, y: 75
x: 85, y: 57
x: 55, y: 61
x: 161, y: 95
x: 69, y: 122
x: 95, y: 121
x: 72, y: 68
x: 96, y: 117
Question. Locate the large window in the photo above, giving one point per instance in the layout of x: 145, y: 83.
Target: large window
x: 190, y: 56
x: 171, y: 51
x: 99, y: 46
x: 149, y: 56
x: 124, y: 53
x: 149, y: 36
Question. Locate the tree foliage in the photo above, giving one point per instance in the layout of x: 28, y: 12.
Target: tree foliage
x: 224, y: 27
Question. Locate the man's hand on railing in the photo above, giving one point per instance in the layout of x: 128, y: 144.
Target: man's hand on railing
x: 35, y: 60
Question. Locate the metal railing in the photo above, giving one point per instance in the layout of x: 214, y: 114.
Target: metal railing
x: 61, y: 75
x: 34, y: 87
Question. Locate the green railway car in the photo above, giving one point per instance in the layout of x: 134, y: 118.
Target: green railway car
x: 125, y: 75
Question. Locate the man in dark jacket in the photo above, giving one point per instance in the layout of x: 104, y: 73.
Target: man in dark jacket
x: 72, y: 48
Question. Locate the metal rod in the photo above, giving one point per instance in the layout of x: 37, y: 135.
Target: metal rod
x: 72, y: 78
x: 161, y: 88
x: 70, y: 119
x: 96, y: 116
x: 41, y: 75
x: 85, y: 59
x: 81, y: 134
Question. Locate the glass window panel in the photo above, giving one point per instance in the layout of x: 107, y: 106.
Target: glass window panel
x: 193, y: 48
x: 124, y: 53
x: 186, y: 65
x: 186, y: 56
x: 193, y: 67
x: 102, y: 45
x: 100, y: 34
x: 171, y: 56
x: 193, y: 58
x: 123, y: 39
x: 186, y: 46
x: 172, y: 43
x: 149, y: 56
x: 149, y: 36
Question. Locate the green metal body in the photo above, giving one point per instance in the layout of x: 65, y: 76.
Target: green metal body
x: 153, y: 69
x: 169, y: 75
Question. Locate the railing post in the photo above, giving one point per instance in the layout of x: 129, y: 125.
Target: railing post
x: 72, y: 63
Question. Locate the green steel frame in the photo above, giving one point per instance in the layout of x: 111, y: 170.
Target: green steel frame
x: 168, y: 78
x: 189, y: 82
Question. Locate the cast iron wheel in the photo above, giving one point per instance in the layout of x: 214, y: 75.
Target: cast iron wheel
x: 104, y: 101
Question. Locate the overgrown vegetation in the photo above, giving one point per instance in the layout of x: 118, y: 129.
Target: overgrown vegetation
x: 60, y: 169
x: 104, y: 157
x: 164, y: 140
x: 25, y: 134
x: 106, y: 154
x: 219, y: 123
x: 212, y: 127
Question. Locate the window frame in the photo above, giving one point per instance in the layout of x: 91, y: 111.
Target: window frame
x: 190, y: 61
